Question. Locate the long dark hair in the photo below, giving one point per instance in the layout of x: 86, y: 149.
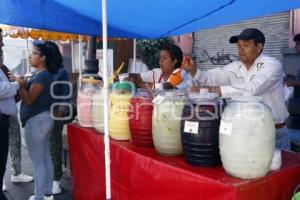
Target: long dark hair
x: 47, y: 52
x: 57, y: 57
x: 175, y: 53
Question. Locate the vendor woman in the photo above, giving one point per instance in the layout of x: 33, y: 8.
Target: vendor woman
x: 170, y: 60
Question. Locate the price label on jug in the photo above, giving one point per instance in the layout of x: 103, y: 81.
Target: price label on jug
x: 191, y: 127
x: 158, y: 99
x: 225, y: 128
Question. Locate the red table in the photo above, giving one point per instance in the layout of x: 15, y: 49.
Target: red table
x: 140, y: 173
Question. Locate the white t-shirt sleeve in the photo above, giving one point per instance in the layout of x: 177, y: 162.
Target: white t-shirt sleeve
x: 212, y: 77
x: 149, y: 75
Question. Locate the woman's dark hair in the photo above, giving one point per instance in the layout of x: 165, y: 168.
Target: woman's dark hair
x: 47, y: 52
x: 57, y: 57
x: 175, y: 53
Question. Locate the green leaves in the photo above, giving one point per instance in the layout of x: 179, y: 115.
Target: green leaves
x: 148, y: 50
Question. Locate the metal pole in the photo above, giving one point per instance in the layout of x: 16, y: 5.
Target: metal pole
x: 72, y: 56
x: 105, y: 101
x: 28, y: 70
x: 91, y: 63
x: 80, y: 60
x: 134, y: 55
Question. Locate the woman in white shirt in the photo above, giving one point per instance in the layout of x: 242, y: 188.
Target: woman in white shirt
x: 170, y: 59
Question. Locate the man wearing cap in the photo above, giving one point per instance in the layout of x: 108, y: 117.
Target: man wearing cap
x: 254, y: 74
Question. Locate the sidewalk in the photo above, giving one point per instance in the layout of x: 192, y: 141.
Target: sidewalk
x: 22, y: 191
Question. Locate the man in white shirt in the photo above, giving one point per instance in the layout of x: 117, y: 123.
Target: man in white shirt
x: 7, y: 107
x: 254, y: 74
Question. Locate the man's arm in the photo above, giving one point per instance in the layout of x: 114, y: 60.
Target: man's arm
x: 214, y: 77
x: 265, y: 80
x: 292, y: 83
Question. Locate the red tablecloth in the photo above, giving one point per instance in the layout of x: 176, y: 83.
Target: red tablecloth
x: 140, y: 173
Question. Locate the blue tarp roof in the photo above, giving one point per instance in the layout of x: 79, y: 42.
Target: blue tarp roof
x: 136, y: 18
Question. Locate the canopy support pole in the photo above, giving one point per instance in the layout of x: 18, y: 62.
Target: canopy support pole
x: 80, y: 56
x: 72, y: 56
x: 28, y: 70
x: 134, y: 55
x: 105, y: 101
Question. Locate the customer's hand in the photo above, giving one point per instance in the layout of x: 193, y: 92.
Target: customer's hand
x: 292, y: 82
x: 21, y: 80
x: 11, y: 77
x: 289, y: 82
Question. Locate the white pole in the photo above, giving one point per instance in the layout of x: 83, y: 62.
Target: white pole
x: 134, y: 55
x: 24, y: 69
x: 80, y: 58
x: 105, y: 101
x: 72, y: 55
x: 28, y: 70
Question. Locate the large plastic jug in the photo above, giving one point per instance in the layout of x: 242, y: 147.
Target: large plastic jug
x: 140, y: 121
x: 98, y: 111
x: 200, y: 129
x: 119, y: 110
x: 166, y: 122
x: 84, y: 100
x: 247, y: 138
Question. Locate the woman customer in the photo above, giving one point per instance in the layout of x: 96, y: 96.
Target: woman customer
x: 35, y: 116
x: 61, y: 89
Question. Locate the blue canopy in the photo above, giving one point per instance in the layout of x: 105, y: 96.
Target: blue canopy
x: 136, y: 18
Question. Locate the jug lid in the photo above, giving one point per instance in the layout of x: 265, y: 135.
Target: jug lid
x: 90, y: 80
x: 202, y: 96
x: 174, y: 94
x: 247, y: 98
x: 144, y: 93
x: 123, y: 87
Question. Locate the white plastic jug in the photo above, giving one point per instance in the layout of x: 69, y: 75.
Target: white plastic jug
x: 247, y: 138
x: 166, y: 123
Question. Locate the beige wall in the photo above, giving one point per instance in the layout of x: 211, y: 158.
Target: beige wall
x: 184, y: 42
x: 294, y: 26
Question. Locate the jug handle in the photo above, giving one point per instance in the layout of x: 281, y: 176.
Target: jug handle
x: 276, y: 160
